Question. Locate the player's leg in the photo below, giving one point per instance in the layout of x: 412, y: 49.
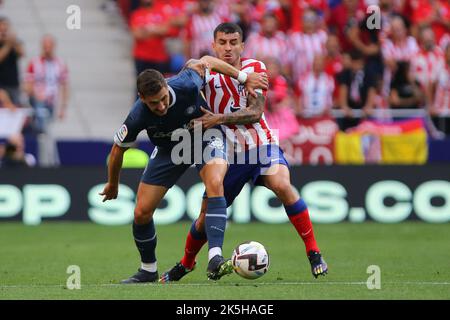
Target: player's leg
x: 195, y: 240
x: 277, y: 179
x: 213, y: 174
x: 159, y: 176
x: 148, y: 199
x: 235, y: 179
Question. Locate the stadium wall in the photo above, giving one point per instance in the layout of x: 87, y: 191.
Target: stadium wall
x: 387, y: 194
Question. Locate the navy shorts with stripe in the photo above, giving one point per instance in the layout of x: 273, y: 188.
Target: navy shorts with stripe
x: 257, y: 162
x: 162, y: 171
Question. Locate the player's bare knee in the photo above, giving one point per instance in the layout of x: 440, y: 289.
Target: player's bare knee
x: 281, y: 187
x: 142, y: 216
x: 214, y: 187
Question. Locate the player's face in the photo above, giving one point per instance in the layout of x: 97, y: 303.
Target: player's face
x: 158, y: 103
x: 228, y: 47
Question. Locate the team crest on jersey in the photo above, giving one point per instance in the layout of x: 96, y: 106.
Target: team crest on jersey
x: 241, y: 89
x: 122, y: 133
x: 216, y: 143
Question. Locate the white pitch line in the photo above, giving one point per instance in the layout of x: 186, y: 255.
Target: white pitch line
x: 424, y: 283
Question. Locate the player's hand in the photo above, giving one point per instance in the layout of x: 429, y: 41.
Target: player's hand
x: 109, y: 192
x: 255, y: 81
x: 209, y: 119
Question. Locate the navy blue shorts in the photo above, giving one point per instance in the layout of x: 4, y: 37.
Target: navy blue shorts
x: 256, y: 162
x: 161, y: 170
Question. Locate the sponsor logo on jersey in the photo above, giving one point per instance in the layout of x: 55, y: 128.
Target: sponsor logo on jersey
x: 233, y: 108
x: 122, y: 133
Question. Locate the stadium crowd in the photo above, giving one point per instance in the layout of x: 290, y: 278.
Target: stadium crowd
x: 321, y: 55
x: 325, y: 58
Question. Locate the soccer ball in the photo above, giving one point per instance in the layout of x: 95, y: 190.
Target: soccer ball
x: 250, y: 260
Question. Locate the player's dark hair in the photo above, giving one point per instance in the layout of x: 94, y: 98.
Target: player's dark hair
x: 228, y: 28
x: 150, y: 82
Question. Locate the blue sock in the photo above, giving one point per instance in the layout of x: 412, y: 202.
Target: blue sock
x: 296, y: 208
x: 145, y: 239
x: 215, y: 221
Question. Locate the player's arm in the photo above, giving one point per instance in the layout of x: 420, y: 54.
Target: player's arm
x: 251, y: 114
x: 111, y: 189
x: 252, y: 80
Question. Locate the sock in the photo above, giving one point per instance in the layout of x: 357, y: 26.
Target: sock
x: 145, y: 239
x: 194, y: 242
x: 215, y: 221
x: 299, y: 216
x: 150, y: 267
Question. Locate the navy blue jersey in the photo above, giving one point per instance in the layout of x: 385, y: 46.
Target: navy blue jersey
x: 185, y: 102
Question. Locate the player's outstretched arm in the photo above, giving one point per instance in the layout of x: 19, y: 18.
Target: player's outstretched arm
x: 111, y: 189
x: 252, y: 80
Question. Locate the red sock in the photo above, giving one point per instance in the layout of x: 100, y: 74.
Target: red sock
x: 191, y: 248
x: 304, y: 227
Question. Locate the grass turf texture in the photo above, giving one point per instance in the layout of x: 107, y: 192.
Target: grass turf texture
x: 414, y: 259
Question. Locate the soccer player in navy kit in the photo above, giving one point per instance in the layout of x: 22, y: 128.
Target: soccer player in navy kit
x: 163, y: 107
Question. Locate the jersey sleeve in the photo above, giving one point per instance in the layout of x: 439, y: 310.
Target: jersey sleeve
x: 260, y: 67
x: 130, y: 129
x: 192, y: 81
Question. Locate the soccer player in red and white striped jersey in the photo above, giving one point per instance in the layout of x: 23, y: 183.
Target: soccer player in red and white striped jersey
x: 225, y: 97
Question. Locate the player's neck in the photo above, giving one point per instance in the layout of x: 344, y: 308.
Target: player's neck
x: 238, y: 64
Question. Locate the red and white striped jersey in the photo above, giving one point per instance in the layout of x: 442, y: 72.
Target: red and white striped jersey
x: 260, y: 47
x: 198, y: 32
x: 47, y: 76
x: 442, y: 97
x: 316, y: 93
x: 445, y: 41
x: 225, y: 94
x: 302, y: 50
x: 426, y: 65
x: 400, y: 51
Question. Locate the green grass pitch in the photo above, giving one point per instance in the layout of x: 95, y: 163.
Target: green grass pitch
x: 414, y: 259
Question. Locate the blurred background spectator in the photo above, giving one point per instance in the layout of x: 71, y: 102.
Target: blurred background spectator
x: 13, y: 154
x: 357, y: 91
x: 11, y: 50
x: 46, y: 83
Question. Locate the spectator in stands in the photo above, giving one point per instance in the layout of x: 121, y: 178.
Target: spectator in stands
x: 5, y: 101
x: 343, y: 17
x: 46, y: 83
x: 150, y: 26
x: 14, y: 154
x: 399, y: 47
x: 11, y: 50
x: 198, y: 32
x: 440, y: 111
x: 279, y: 109
x: 431, y: 13
x: 428, y: 63
x: 316, y: 91
x: 270, y: 42
x: 405, y: 89
x: 334, y: 61
x: 367, y: 41
x: 357, y: 91
x: 305, y: 45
